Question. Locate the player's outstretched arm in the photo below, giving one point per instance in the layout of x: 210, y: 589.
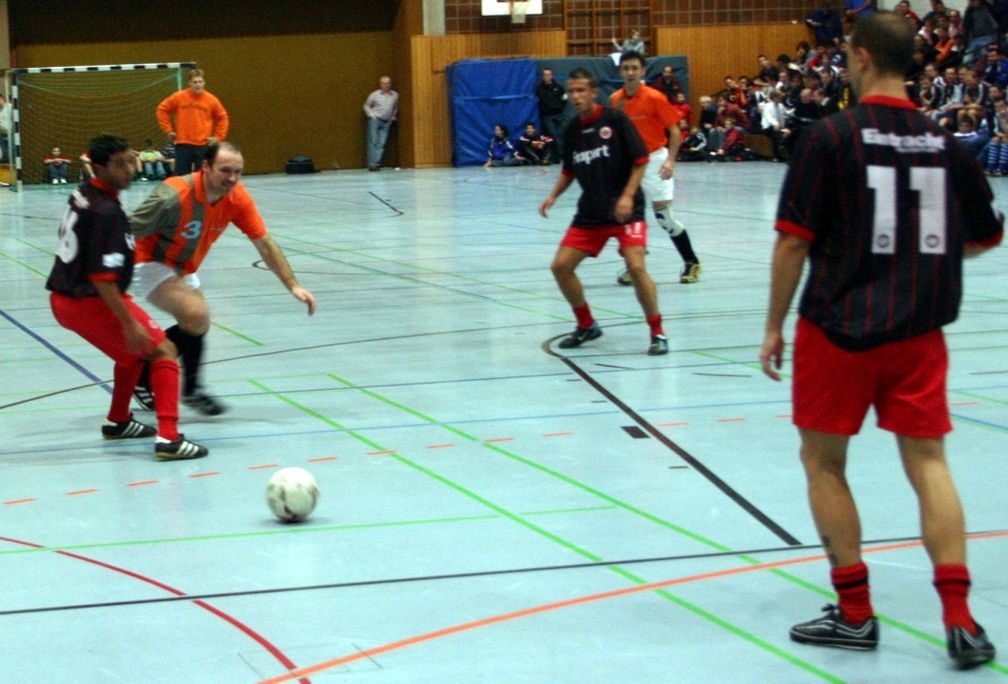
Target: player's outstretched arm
x: 276, y: 261
x: 790, y: 252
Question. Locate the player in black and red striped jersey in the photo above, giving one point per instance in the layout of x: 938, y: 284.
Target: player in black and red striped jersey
x: 884, y: 204
x: 604, y: 152
x: 93, y: 268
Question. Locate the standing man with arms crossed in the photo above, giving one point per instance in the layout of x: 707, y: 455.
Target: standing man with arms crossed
x: 200, y: 120
x: 381, y: 107
x: 885, y: 205
x: 175, y: 227
x: 551, y: 100
x: 93, y: 268
x: 607, y: 157
x: 658, y: 124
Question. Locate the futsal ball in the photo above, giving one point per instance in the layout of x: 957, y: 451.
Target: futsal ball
x: 292, y: 494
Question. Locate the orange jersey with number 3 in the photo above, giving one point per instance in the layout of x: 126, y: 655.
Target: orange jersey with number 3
x: 651, y: 113
x: 176, y: 226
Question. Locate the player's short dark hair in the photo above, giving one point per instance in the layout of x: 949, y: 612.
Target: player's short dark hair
x: 101, y: 148
x: 582, y: 74
x: 889, y: 38
x: 210, y: 154
x: 631, y: 54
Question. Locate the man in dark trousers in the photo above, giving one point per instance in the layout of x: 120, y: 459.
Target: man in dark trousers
x: 552, y: 99
x: 884, y: 204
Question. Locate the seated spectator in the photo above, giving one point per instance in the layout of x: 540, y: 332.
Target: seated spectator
x: 151, y: 162
x: 56, y: 166
x: 708, y: 115
x: 952, y: 102
x: 168, y: 156
x: 694, y: 147
x: 667, y: 83
x: 976, y: 96
x: 903, y: 7
x: 995, y: 157
x: 726, y: 109
x: 825, y: 24
x: 929, y: 96
x: 632, y: 44
x: 534, y: 148
x: 994, y: 67
x: 773, y: 122
x: 87, y: 173
x: 732, y: 144
x: 944, y: 44
x: 968, y: 135
x: 980, y: 29
x: 767, y: 71
x: 682, y: 106
x: 955, y: 23
x: 500, y: 152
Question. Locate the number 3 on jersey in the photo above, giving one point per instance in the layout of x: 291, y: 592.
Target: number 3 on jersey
x: 929, y: 184
x: 192, y: 230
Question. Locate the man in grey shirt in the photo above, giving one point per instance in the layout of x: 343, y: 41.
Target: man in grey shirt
x: 381, y: 108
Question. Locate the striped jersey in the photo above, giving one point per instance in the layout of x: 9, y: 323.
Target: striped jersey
x: 600, y: 152
x: 95, y: 243
x: 887, y: 199
x: 176, y: 226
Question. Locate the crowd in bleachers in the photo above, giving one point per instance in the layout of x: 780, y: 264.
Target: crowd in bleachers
x: 958, y: 77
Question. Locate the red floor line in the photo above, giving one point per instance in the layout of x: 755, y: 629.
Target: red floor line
x: 679, y: 424
x: 142, y: 483
x: 212, y: 473
x: 322, y: 459
x: 439, y: 446
x: 264, y: 466
x: 81, y: 491
x: 579, y: 600
x: 495, y: 440
x: 964, y: 403
x: 15, y: 502
x: 386, y: 452
x: 783, y: 415
x: 731, y: 420
x: 558, y: 434
x: 248, y: 631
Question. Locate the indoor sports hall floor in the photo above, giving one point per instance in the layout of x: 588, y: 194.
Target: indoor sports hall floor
x: 492, y: 510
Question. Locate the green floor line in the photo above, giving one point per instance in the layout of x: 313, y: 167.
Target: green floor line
x: 289, y: 530
x: 620, y: 504
x: 237, y: 334
x: 543, y: 532
x: 47, y: 252
x: 24, y: 265
x: 430, y: 271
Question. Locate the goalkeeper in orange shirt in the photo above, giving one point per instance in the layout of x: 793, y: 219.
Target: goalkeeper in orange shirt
x: 200, y: 120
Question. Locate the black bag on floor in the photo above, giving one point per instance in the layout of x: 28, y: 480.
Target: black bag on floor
x: 300, y: 165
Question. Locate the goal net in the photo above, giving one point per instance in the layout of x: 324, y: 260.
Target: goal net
x: 66, y: 107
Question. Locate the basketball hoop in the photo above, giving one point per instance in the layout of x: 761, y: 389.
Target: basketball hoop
x: 518, y: 10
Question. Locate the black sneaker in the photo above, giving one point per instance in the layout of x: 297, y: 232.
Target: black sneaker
x: 690, y: 272
x: 580, y: 336
x: 659, y: 346
x: 204, y: 403
x: 128, y: 429
x: 624, y: 278
x: 969, y: 650
x: 833, y: 630
x: 178, y: 450
x: 144, y: 397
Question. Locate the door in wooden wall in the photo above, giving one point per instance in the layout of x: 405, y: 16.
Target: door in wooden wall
x: 591, y: 25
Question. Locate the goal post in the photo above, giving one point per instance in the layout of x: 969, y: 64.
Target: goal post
x: 67, y: 106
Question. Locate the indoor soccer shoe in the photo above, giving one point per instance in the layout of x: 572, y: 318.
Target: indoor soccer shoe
x: 204, y: 403
x: 969, y: 650
x: 659, y: 346
x: 624, y: 278
x: 690, y: 272
x: 128, y: 429
x: 178, y: 450
x: 833, y: 630
x: 144, y: 397
x: 580, y: 336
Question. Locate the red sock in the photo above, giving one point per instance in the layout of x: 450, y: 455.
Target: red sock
x: 851, y: 583
x: 164, y: 382
x: 953, y: 583
x: 125, y: 376
x: 584, y: 316
x: 654, y: 322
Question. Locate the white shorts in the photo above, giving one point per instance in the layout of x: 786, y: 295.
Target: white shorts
x: 655, y: 189
x: 148, y: 275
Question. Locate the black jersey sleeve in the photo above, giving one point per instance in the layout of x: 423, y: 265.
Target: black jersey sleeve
x: 984, y: 224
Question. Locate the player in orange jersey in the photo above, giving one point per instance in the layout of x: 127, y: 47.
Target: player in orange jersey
x: 200, y: 120
x: 656, y: 121
x: 175, y: 228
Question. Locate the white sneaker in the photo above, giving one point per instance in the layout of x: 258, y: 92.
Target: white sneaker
x: 54, y: 181
x: 63, y: 180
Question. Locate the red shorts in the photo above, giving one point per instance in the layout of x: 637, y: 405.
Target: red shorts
x: 592, y: 240
x: 90, y: 318
x: 904, y: 381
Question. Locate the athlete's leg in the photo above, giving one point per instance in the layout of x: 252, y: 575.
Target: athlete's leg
x: 680, y: 238
x: 564, y: 264
x: 644, y: 287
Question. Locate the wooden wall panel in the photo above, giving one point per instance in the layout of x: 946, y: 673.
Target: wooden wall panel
x: 431, y: 55
x: 717, y: 51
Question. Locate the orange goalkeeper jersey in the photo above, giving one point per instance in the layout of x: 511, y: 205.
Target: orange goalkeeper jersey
x: 176, y: 226
x: 197, y: 117
x: 651, y: 113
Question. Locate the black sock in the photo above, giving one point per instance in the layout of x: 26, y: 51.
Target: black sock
x: 190, y: 349
x: 682, y: 243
